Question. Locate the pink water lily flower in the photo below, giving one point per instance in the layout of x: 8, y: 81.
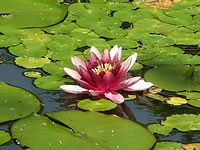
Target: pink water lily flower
x: 103, y: 74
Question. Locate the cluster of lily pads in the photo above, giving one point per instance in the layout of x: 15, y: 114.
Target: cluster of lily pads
x: 167, y: 41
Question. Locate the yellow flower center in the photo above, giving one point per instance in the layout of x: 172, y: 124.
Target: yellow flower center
x: 102, y: 67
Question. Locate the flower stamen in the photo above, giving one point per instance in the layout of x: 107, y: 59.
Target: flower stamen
x: 102, y: 67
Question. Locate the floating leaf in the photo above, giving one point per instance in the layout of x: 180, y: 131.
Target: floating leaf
x: 195, y: 103
x: 32, y: 74
x: 185, y: 122
x: 174, y: 77
x: 109, y: 128
x: 4, y: 137
x: 97, y: 105
x: 168, y: 146
x: 31, y: 62
x: 51, y: 82
x: 159, y: 129
x: 6, y: 41
x: 190, y: 95
x: 177, y: 101
x: 130, y: 97
x: 16, y: 103
x: 156, y: 96
x: 125, y: 43
x: 39, y: 133
x: 44, y: 13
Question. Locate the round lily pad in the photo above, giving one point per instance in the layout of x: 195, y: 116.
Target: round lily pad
x: 39, y: 133
x: 176, y: 101
x: 124, y: 43
x: 168, y: 146
x: 16, y: 103
x: 31, y: 62
x: 44, y: 13
x: 99, y: 105
x: 51, y: 82
x: 117, y: 132
x: 194, y: 102
x: 174, y: 77
x: 4, y: 137
x: 6, y: 41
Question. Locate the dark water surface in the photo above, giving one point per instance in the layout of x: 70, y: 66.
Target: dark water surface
x: 144, y: 113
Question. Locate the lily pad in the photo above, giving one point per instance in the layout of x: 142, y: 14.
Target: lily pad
x: 156, y: 96
x: 195, y: 103
x: 190, y: 95
x: 185, y: 122
x: 4, y: 137
x: 32, y: 74
x: 44, y: 13
x: 174, y: 77
x: 97, y: 105
x: 176, y: 101
x: 192, y: 146
x: 159, y: 129
x: 117, y: 132
x: 39, y: 133
x: 16, y: 103
x: 51, y: 82
x: 124, y: 43
x: 168, y: 146
x: 6, y: 41
x: 31, y: 62
x: 130, y: 97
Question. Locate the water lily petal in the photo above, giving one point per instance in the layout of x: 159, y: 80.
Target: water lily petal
x: 95, y: 93
x: 139, y: 86
x: 108, y: 80
x: 74, y: 89
x: 128, y: 63
x: 126, y: 83
x: 78, y: 62
x: 72, y: 73
x: 106, y: 56
x: 98, y: 80
x: 115, y: 97
x: 116, y: 51
x: 94, y: 60
x: 96, y: 52
x: 85, y: 74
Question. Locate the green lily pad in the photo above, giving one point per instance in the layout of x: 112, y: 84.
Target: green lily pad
x: 33, y: 50
x: 154, y: 26
x: 31, y: 62
x: 109, y: 32
x: 156, y: 96
x: 4, y: 137
x: 130, y: 97
x: 184, y: 122
x: 176, y: 101
x: 99, y: 105
x: 32, y: 74
x: 124, y: 43
x: 159, y: 129
x: 190, y: 95
x: 168, y: 146
x: 100, y: 44
x: 44, y: 13
x: 117, y: 132
x: 51, y: 82
x: 56, y: 69
x: 194, y: 102
x: 174, y: 77
x: 16, y: 103
x: 39, y: 133
x: 6, y: 41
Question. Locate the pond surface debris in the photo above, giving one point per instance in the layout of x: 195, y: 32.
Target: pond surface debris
x: 162, y: 4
